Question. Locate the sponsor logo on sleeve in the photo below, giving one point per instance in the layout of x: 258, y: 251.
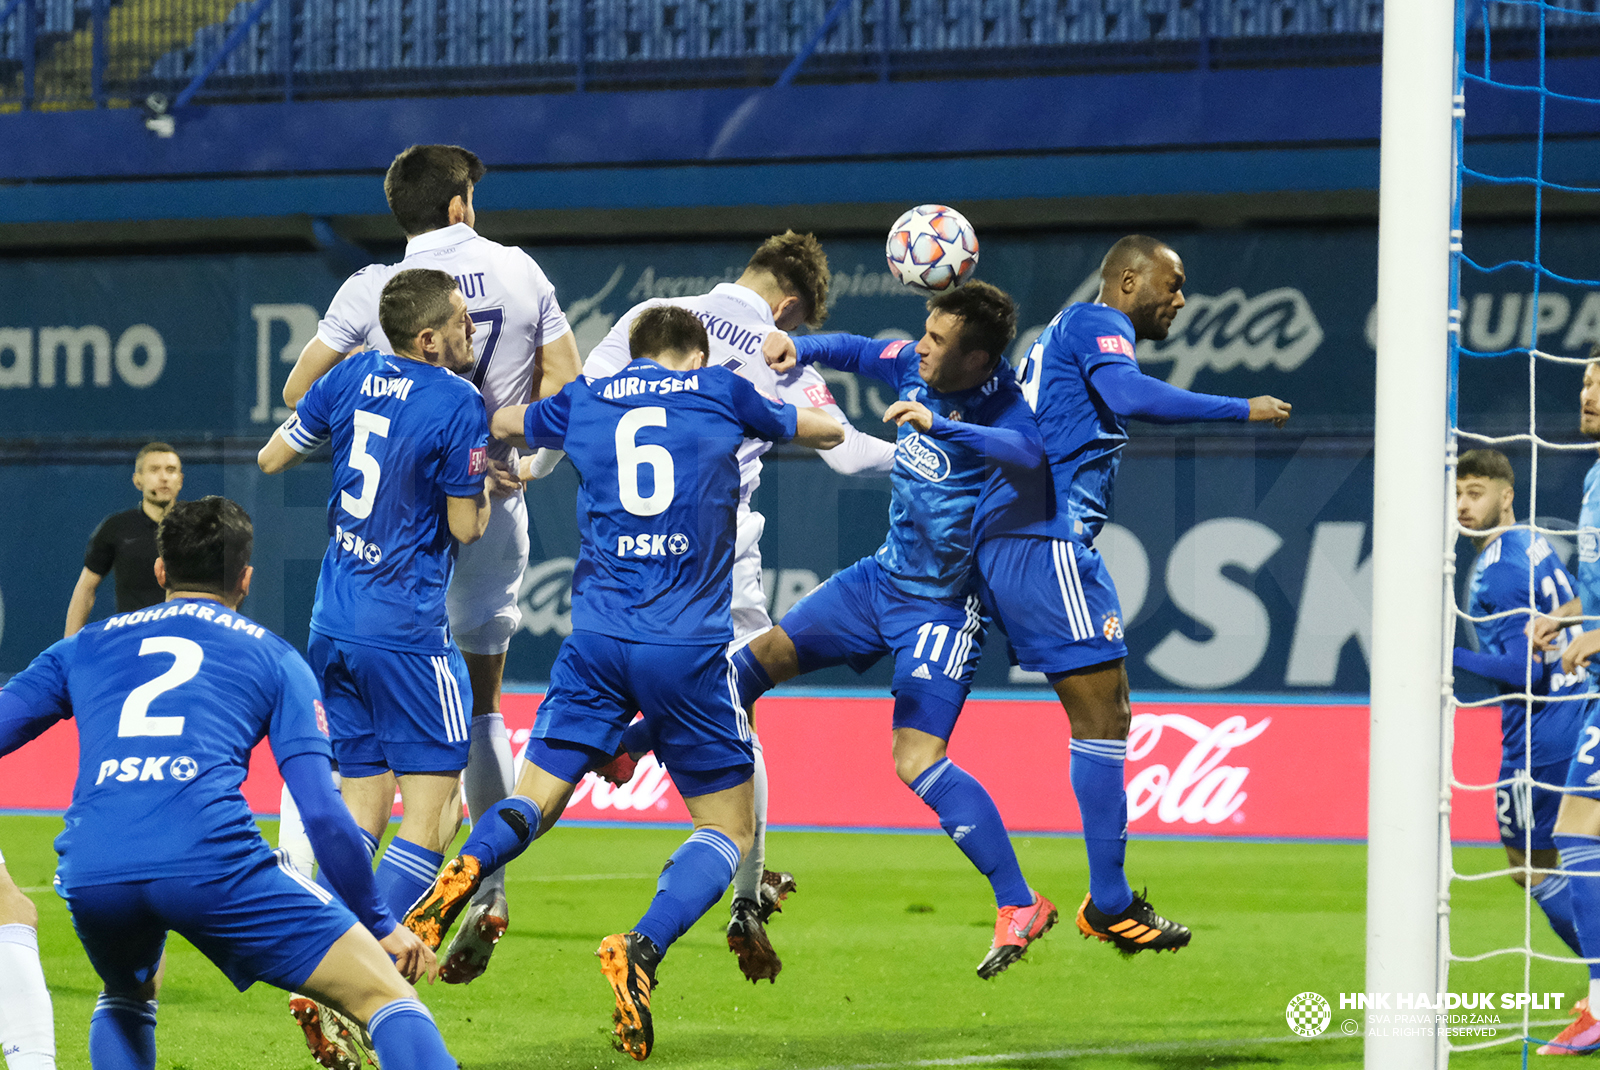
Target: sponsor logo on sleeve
x: 1115, y: 343
x: 892, y: 350
x: 478, y: 461
x: 322, y: 716
x: 819, y: 394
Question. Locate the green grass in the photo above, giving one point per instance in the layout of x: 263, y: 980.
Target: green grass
x: 879, y: 947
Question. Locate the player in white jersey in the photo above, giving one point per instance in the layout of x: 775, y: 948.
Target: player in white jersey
x: 525, y: 350
x: 784, y: 285
x: 27, y: 1021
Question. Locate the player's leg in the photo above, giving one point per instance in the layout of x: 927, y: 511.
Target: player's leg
x: 836, y: 624
x: 1577, y: 837
x: 27, y: 1019
x: 1529, y: 817
x: 358, y: 978
x: 124, y: 938
x: 704, y: 741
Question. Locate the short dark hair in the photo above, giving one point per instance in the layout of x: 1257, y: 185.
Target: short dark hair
x: 414, y: 300
x: 1134, y: 252
x: 149, y: 448
x: 1485, y: 464
x: 801, y: 268
x: 665, y: 327
x: 424, y: 179
x: 205, y: 545
x: 988, y: 317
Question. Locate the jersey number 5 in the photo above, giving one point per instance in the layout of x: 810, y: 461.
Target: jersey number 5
x: 367, y: 424
x: 631, y: 456
x: 136, y: 720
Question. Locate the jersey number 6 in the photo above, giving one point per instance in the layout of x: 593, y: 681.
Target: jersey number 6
x: 632, y: 455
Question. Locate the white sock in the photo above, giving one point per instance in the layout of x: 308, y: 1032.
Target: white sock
x: 747, y: 878
x: 27, y: 1020
x: 292, y: 839
x: 488, y: 779
x: 1594, y: 995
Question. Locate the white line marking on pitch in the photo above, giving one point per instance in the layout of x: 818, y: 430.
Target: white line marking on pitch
x: 592, y: 877
x: 1074, y: 1053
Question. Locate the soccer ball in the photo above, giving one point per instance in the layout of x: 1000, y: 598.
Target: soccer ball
x: 932, y: 249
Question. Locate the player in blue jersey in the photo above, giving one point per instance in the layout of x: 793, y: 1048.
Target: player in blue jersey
x: 1041, y: 576
x: 961, y: 419
x: 657, y: 448
x: 169, y: 702
x: 1577, y: 833
x: 410, y: 484
x: 1516, y: 573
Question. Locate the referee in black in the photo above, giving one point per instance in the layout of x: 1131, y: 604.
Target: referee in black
x: 126, y: 541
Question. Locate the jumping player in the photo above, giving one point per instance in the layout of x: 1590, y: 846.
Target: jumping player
x: 1043, y: 579
x: 658, y: 448
x: 169, y: 702
x: 523, y: 350
x: 1511, y: 565
x: 960, y: 416
x: 410, y: 462
x: 784, y: 285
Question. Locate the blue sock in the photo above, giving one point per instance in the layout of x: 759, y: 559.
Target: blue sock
x: 406, y: 1038
x: 752, y: 679
x: 122, y: 1034
x: 1554, y: 896
x: 637, y: 739
x: 968, y: 816
x: 404, y: 872
x: 503, y: 833
x: 371, y: 843
x: 693, y: 879
x: 1097, y: 781
x: 1581, y: 856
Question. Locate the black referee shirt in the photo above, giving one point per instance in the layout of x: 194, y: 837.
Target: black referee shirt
x: 126, y: 542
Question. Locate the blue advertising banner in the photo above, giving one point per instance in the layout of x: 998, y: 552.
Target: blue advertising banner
x: 1241, y: 556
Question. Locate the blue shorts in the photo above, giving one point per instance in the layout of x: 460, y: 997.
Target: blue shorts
x: 1515, y: 811
x: 1583, y: 774
x: 858, y: 616
x: 686, y: 695
x: 261, y: 922
x: 393, y: 710
x: 1055, y: 600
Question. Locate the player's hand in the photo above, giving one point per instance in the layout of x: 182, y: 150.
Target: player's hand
x: 501, y: 481
x: 914, y: 413
x: 413, y: 958
x: 1579, y: 651
x: 1268, y: 409
x: 779, y: 351
x: 1543, y: 632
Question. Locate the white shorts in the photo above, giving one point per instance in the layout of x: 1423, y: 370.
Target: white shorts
x: 482, y: 600
x: 750, y: 617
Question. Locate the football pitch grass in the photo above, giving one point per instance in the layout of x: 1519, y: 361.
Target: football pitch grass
x: 879, y: 948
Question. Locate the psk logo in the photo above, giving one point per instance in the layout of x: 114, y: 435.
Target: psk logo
x: 184, y: 768
x: 924, y: 457
x: 678, y: 543
x: 1112, y: 628
x: 1308, y: 1014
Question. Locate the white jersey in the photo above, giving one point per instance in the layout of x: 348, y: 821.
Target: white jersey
x: 737, y: 321
x: 514, y: 310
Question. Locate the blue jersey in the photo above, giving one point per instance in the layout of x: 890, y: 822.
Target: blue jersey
x: 936, y: 482
x: 1589, y: 546
x: 1509, y: 569
x: 657, y: 453
x: 169, y: 702
x: 406, y: 435
x: 1083, y: 435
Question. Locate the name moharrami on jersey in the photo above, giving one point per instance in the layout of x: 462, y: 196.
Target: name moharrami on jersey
x: 513, y: 305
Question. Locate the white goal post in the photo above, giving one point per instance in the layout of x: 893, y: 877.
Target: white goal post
x: 1407, y: 813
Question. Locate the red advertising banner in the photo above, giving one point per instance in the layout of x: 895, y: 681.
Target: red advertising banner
x: 1195, y: 767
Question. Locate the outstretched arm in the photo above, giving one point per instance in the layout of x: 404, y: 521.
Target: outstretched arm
x: 21, y: 722
x: 1020, y: 446
x: 1510, y: 668
x: 1130, y: 392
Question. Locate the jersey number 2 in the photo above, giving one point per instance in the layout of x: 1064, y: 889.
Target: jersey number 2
x: 136, y: 720
x: 367, y: 424
x: 631, y: 456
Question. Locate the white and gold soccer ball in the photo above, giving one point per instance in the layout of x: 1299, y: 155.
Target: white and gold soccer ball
x: 932, y: 249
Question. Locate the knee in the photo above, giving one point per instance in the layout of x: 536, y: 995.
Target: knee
x: 1107, y: 720
x: 16, y: 908
x: 1521, y: 878
x: 911, y: 761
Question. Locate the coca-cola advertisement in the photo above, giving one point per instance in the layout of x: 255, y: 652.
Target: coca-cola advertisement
x: 1195, y: 767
